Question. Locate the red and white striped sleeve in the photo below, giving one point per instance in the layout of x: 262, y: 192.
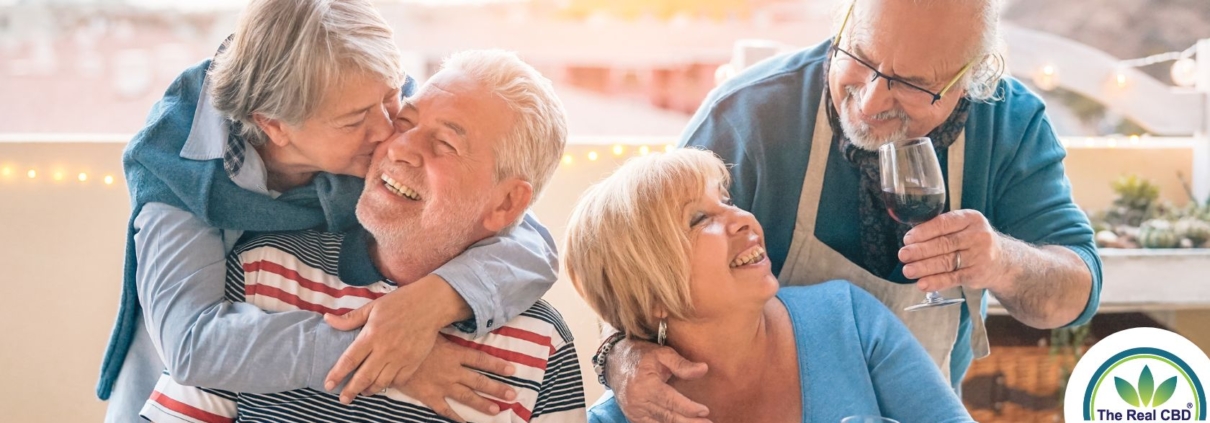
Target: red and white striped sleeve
x: 171, y: 402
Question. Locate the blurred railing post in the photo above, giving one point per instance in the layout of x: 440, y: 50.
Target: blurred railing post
x: 1201, y: 148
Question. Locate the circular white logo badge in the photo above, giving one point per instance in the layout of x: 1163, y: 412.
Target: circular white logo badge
x: 1140, y: 374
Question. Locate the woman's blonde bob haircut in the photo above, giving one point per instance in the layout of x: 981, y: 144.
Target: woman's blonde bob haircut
x: 286, y: 53
x: 628, y: 248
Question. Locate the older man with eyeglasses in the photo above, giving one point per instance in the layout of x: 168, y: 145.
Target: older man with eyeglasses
x: 803, y: 131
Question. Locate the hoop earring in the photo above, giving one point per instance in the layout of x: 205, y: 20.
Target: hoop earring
x: 663, y: 333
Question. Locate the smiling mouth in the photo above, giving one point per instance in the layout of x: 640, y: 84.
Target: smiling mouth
x: 399, y: 189
x: 753, y: 255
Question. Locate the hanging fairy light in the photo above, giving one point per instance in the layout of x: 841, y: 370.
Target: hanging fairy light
x: 58, y: 176
x: 644, y: 150
x: 1184, y: 72
x: 32, y: 174
x: 567, y: 159
x: 7, y: 171
x: 668, y: 148
x: 592, y: 156
x: 1119, y: 79
x: 1047, y: 78
x: 618, y: 150
x: 108, y: 180
x: 83, y: 177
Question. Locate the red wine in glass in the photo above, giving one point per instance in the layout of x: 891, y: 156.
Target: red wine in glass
x: 914, y: 191
x: 914, y: 205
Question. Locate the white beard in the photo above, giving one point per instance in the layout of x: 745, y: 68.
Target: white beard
x: 859, y: 133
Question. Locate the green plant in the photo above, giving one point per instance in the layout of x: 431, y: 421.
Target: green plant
x: 1068, y: 341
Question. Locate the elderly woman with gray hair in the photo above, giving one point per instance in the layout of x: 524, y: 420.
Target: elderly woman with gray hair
x: 275, y: 133
x: 691, y: 273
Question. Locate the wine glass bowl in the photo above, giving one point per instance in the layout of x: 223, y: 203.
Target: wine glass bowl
x: 913, y: 189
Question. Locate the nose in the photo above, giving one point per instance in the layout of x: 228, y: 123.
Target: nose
x: 876, y: 97
x: 380, y: 125
x: 402, y: 148
x: 741, y: 222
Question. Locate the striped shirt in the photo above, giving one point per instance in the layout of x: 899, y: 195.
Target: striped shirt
x: 332, y: 273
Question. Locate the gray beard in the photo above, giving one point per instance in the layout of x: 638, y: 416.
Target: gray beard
x: 859, y: 133
x: 416, y: 247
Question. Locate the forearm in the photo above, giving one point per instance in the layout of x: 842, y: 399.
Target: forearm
x: 1047, y: 286
x: 208, y: 341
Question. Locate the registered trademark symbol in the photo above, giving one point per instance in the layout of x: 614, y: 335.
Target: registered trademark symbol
x: 1189, y: 405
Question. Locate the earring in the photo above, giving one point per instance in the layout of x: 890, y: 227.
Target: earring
x: 663, y: 333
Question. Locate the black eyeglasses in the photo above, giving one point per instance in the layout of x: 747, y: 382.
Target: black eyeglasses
x: 913, y: 93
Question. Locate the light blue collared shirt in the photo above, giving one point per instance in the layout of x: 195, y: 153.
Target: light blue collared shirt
x: 202, y: 340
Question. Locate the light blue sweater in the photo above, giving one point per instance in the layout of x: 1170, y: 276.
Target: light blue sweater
x: 854, y: 358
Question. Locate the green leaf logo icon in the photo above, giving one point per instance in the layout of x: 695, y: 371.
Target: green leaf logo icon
x: 1147, y: 395
x: 1127, y: 392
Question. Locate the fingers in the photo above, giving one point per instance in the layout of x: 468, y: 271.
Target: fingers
x: 937, y: 247
x: 384, y: 380
x: 678, y: 366
x: 480, y: 360
x: 366, y: 374
x: 672, y: 404
x: 351, y: 320
x: 946, y: 280
x: 441, y: 407
x: 946, y: 223
x: 936, y: 265
x: 347, y: 363
x: 482, y: 383
x: 469, y: 398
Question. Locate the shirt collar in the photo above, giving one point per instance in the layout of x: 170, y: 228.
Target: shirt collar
x: 208, y: 135
x: 355, y: 266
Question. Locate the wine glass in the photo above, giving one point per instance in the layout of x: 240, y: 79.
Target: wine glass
x: 867, y: 419
x: 914, y: 192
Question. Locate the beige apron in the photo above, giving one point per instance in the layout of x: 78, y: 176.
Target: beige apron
x: 811, y: 261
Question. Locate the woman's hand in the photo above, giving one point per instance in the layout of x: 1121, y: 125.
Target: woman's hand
x: 449, y: 372
x: 639, y: 371
x: 400, y: 330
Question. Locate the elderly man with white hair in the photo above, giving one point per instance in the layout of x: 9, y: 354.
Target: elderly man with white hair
x: 803, y: 131
x: 484, y: 136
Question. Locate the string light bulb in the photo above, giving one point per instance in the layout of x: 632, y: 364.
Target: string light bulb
x: 618, y: 150
x: 644, y: 150
x: 1119, y: 79
x: 108, y: 180
x: 7, y: 171
x: 592, y: 156
x: 58, y: 176
x: 1047, y: 78
x: 567, y: 159
x: 32, y: 174
x: 668, y: 148
x: 82, y: 177
x: 1134, y: 139
x: 1184, y: 72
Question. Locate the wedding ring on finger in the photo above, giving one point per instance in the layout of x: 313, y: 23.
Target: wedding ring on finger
x: 957, y: 261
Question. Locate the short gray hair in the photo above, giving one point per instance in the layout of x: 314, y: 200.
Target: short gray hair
x: 533, y: 149
x: 982, y: 82
x: 286, y: 53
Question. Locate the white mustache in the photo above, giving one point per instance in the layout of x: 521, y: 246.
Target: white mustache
x: 853, y: 93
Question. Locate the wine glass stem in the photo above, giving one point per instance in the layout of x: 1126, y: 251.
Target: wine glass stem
x: 932, y: 297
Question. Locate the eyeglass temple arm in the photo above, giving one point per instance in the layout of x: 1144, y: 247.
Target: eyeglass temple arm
x: 843, y: 24
x: 957, y: 78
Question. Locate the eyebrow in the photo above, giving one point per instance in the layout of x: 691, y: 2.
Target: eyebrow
x: 355, y: 112
x: 910, y: 79
x: 458, y: 129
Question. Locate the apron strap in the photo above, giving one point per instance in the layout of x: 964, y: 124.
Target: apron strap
x: 808, y: 201
x: 974, y: 297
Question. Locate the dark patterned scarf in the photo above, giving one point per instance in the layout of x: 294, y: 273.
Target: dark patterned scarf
x: 882, y: 236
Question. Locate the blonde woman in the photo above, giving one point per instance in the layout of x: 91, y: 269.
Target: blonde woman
x: 275, y: 134
x: 689, y: 271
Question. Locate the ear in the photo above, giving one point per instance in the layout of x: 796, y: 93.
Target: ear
x: 512, y: 199
x: 275, y: 129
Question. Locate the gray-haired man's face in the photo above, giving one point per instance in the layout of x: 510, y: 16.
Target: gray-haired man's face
x: 429, y: 187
